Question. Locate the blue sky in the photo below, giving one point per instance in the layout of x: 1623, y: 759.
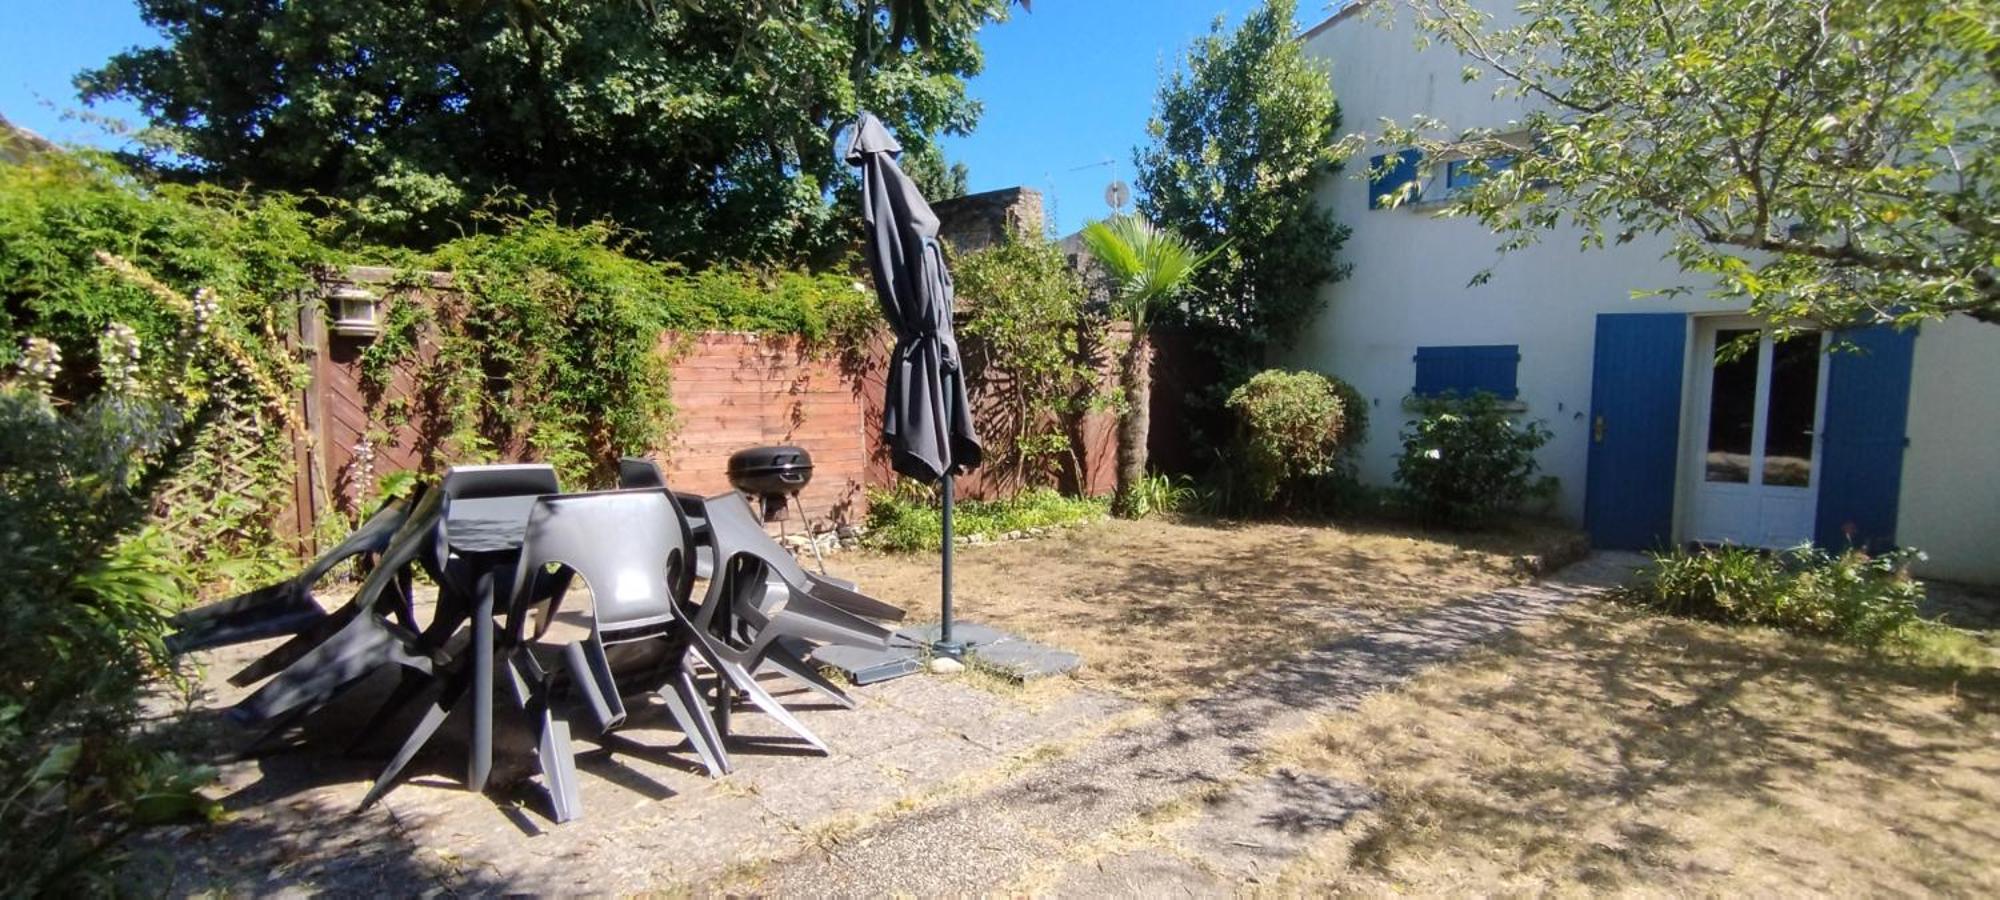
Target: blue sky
x: 1071, y: 84
x: 1066, y: 87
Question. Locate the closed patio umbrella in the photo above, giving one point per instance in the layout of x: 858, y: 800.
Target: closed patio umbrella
x: 927, y: 419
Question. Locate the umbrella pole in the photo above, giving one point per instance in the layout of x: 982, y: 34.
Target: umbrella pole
x: 945, y: 646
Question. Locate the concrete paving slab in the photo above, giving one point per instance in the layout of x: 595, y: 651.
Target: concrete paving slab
x: 1139, y: 873
x: 652, y: 817
x: 1025, y: 661
x: 1250, y: 833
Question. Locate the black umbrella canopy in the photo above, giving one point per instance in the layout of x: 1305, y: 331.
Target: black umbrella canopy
x: 927, y: 418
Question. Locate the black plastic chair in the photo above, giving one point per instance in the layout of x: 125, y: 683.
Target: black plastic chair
x: 635, y: 474
x: 350, y: 644
x: 629, y: 547
x: 287, y: 607
x: 758, y: 595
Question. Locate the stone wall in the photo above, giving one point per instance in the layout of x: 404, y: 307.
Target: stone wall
x: 975, y: 222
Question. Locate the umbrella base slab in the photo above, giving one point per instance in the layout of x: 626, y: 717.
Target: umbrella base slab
x: 1007, y: 655
x: 864, y: 666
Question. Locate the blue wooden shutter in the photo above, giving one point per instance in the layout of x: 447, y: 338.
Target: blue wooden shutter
x: 1862, y: 438
x: 1401, y: 173
x: 1466, y: 370
x: 1493, y: 369
x: 1635, y: 389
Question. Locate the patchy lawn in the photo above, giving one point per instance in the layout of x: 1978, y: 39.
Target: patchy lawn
x: 1612, y: 751
x: 1163, y: 610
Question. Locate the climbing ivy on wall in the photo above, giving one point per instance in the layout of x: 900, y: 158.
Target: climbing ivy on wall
x: 547, y: 343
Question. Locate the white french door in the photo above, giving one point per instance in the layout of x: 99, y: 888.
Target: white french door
x: 1759, y: 404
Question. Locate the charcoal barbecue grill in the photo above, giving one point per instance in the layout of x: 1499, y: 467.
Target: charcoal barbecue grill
x: 775, y: 475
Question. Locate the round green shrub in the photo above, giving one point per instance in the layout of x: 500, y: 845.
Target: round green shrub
x: 1292, y: 429
x: 1466, y: 461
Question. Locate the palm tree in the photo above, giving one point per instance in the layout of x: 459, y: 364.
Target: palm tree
x: 1148, y: 267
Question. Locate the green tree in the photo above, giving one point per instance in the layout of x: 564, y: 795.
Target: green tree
x: 1829, y: 161
x: 1033, y: 345
x: 706, y: 126
x: 1148, y: 268
x: 1243, y: 133
x: 939, y: 180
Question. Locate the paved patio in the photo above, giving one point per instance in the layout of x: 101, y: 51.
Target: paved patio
x: 935, y: 786
x: 651, y: 819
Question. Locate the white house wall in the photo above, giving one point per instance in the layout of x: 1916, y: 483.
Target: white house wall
x: 1409, y: 288
x: 1950, y: 503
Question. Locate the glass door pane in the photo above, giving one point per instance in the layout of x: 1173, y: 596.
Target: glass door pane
x: 1789, y: 422
x: 1732, y: 405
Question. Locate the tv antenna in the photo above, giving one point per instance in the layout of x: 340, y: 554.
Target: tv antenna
x: 1117, y: 193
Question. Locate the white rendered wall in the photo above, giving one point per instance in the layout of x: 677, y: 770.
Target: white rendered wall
x: 1950, y: 503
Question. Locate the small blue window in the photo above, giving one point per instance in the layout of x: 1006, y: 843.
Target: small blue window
x: 1461, y: 173
x: 1398, y: 172
x: 1468, y: 370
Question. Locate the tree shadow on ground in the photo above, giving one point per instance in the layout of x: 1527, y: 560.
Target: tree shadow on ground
x: 1168, y: 609
x: 1614, y: 750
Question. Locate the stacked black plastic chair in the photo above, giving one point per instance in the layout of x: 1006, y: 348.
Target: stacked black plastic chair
x: 375, y: 628
x: 505, y: 548
x: 760, y: 595
x: 289, y: 606
x: 629, y: 549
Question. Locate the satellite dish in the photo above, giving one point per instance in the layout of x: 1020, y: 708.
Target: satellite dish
x: 1116, y: 195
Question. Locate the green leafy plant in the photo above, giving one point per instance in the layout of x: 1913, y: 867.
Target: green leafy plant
x: 1033, y: 345
x: 82, y: 614
x: 908, y: 520
x: 206, y: 281
x: 1158, y: 493
x: 1851, y: 597
x: 1292, y: 424
x: 1466, y: 461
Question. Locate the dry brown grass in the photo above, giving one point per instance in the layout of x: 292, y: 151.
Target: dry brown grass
x: 1608, y: 751
x: 1163, y: 610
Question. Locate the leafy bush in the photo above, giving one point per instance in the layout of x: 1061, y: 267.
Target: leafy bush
x: 204, y: 279
x: 1030, y: 340
x: 1466, y: 461
x: 908, y: 520
x: 1291, y: 430
x: 82, y: 612
x: 1850, y: 597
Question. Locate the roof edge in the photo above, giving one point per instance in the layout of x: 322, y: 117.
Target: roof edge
x: 1339, y: 16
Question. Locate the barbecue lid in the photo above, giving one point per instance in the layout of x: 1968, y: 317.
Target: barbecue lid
x: 761, y: 460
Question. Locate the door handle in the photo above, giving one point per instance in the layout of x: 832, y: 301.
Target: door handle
x: 1597, y: 429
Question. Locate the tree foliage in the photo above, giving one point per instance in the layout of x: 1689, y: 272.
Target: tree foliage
x: 1242, y: 134
x: 1033, y: 345
x: 1829, y: 161
x: 1148, y: 266
x: 707, y: 126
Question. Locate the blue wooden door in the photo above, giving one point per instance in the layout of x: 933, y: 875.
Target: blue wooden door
x: 1862, y: 438
x: 1635, y: 424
